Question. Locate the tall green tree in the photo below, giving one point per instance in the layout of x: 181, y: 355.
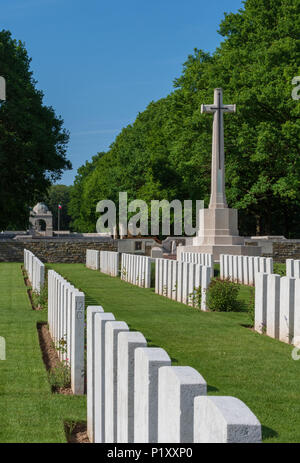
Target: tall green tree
x: 32, y: 138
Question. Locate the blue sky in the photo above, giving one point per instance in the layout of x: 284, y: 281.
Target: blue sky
x: 101, y: 63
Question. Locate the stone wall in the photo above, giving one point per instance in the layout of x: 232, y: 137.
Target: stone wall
x: 286, y: 250
x: 54, y: 251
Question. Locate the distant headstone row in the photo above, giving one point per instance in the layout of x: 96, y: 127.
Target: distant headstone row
x: 136, y: 270
x: 182, y: 281
x: 206, y: 260
x: 277, y: 307
x: 293, y: 268
x: 92, y: 259
x: 242, y: 269
x: 135, y: 395
x: 109, y: 263
x: 35, y: 270
x: 66, y: 314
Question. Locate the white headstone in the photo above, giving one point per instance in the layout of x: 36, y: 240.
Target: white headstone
x: 99, y: 399
x: 148, y: 360
x: 90, y: 338
x: 177, y: 388
x: 273, y: 306
x: 287, y: 301
x: 221, y: 420
x: 127, y: 343
x: 261, y: 292
x: 112, y: 329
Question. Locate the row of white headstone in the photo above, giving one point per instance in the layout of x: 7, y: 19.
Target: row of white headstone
x: 109, y: 263
x: 35, y: 270
x: 136, y: 270
x: 135, y: 395
x: 92, y: 259
x: 242, y: 269
x: 182, y: 281
x: 293, y: 268
x: 277, y: 307
x: 206, y: 260
x: 66, y: 317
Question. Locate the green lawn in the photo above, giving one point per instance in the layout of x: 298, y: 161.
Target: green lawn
x: 29, y: 412
x: 233, y: 359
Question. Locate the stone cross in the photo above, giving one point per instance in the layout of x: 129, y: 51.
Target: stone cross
x: 218, y: 197
x: 2, y: 88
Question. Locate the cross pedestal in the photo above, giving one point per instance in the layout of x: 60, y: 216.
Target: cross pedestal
x: 218, y: 225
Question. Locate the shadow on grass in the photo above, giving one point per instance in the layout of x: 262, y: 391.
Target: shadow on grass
x: 268, y: 432
x: 90, y: 301
x: 212, y: 388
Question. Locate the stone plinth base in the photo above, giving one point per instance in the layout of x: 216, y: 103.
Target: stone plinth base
x: 218, y: 227
x: 216, y: 250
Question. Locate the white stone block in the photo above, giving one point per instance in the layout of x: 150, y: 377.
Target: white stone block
x: 220, y: 420
x: 269, y: 265
x: 99, y: 376
x: 240, y: 269
x: 169, y: 280
x: 273, y: 306
x: 179, y: 281
x: 77, y: 363
x: 174, y: 280
x: 235, y: 269
x: 230, y: 267
x: 261, y: 292
x: 287, y: 307
x: 112, y: 329
x: 177, y: 388
x: 127, y: 343
x: 222, y: 266
x: 256, y: 261
x: 191, y: 284
x: 251, y: 271
x: 262, y: 265
x: 157, y: 263
x: 290, y: 268
x: 296, y: 340
x: 165, y: 277
x: 148, y: 360
x: 206, y: 272
x: 185, y: 282
x: 226, y: 266
x: 297, y: 269
x: 246, y: 270
x: 161, y: 277
x: 90, y: 367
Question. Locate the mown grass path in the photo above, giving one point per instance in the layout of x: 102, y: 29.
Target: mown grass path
x: 29, y: 412
x: 233, y: 359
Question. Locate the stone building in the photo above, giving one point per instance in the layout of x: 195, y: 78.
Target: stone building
x: 41, y: 220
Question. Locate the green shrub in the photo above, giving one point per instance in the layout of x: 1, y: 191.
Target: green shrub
x: 222, y: 296
x: 60, y: 376
x: 279, y: 269
x: 40, y: 300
